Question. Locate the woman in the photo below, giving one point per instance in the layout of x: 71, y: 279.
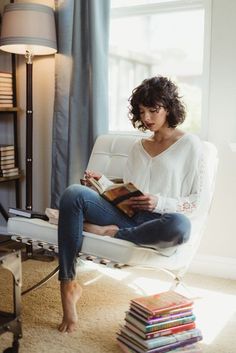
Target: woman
x: 164, y: 166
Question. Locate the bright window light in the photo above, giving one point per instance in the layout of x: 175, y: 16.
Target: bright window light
x: 149, y: 38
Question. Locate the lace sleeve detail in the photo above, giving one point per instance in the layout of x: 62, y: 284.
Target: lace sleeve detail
x: 187, y: 204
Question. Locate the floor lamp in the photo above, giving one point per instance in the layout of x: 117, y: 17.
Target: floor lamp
x: 28, y: 29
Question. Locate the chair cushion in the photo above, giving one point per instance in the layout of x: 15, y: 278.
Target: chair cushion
x: 120, y: 251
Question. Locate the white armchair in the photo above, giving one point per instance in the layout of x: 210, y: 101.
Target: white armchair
x: 109, y: 156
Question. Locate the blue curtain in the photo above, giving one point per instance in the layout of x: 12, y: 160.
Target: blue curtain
x: 81, y: 97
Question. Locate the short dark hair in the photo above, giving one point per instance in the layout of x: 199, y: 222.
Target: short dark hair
x: 153, y: 91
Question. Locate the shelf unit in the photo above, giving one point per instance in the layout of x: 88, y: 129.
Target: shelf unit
x: 11, y: 113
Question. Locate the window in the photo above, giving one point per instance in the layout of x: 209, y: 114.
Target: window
x: 152, y: 37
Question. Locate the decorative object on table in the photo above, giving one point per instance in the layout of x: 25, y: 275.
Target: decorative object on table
x: 28, y: 29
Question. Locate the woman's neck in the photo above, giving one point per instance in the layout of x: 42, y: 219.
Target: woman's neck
x: 165, y: 134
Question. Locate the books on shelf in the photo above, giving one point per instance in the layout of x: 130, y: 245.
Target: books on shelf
x: 117, y: 194
x: 7, y: 151
x: 7, y: 158
x: 6, y: 74
x: 5, y: 147
x: 161, y: 323
x: 6, y: 105
x: 27, y: 213
x: 6, y: 90
x: 9, y: 172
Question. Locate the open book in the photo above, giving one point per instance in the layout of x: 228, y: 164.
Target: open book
x: 117, y: 194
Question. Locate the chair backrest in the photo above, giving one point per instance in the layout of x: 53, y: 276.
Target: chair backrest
x: 110, y: 153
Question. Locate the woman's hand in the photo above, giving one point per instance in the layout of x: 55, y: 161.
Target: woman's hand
x: 146, y: 202
x: 91, y: 174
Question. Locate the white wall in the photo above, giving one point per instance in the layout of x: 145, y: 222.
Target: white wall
x: 219, y: 242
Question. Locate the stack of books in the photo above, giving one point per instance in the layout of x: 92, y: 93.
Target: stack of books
x: 6, y: 90
x: 160, y: 323
x: 7, y: 161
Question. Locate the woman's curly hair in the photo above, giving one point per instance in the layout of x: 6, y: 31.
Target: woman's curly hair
x: 155, y: 91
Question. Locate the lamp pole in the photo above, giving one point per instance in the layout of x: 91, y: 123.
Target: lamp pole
x: 29, y: 130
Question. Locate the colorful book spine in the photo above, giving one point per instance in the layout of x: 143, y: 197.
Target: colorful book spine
x: 162, y: 349
x: 159, y: 333
x: 160, y: 325
x: 162, y: 340
x: 161, y: 318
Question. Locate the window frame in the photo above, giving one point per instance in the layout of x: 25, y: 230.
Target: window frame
x: 173, y: 6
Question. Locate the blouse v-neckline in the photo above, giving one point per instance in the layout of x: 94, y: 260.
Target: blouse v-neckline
x: 163, y: 152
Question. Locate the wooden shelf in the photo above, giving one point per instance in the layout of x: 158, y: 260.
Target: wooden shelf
x: 5, y: 110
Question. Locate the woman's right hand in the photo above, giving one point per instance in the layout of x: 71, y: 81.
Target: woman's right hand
x: 91, y: 174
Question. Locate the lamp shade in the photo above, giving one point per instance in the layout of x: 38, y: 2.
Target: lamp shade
x: 28, y: 27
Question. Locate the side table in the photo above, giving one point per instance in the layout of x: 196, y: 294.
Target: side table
x: 11, y: 321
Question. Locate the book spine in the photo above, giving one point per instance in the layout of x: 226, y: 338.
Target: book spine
x: 171, y: 330
x: 161, y: 318
x: 165, y: 340
x: 175, y: 345
x: 171, y: 323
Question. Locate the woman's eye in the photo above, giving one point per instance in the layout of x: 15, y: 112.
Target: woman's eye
x: 153, y: 110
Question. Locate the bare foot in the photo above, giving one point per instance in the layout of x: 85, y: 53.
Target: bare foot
x: 110, y: 230
x: 70, y: 294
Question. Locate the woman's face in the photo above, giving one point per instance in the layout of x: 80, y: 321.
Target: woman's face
x: 153, y: 118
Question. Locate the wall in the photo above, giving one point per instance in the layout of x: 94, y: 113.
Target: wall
x: 217, y: 252
x: 220, y: 237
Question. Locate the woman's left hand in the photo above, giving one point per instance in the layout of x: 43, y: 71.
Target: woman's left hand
x: 146, y: 202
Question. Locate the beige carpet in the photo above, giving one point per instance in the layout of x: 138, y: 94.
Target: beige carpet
x: 101, y: 310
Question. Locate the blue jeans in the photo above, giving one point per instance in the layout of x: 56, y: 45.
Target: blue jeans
x: 80, y: 203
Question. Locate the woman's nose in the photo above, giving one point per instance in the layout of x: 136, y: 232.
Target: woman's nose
x: 146, y: 116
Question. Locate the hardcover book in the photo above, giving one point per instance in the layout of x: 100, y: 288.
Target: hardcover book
x: 160, y: 341
x: 159, y: 333
x: 161, y: 303
x: 118, y: 194
x: 190, y: 348
x: 163, y: 349
x: 160, y: 318
x: 159, y: 326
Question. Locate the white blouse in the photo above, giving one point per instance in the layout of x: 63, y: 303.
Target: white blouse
x: 174, y: 175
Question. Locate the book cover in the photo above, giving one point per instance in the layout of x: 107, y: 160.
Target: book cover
x: 27, y: 213
x: 163, y: 349
x: 161, y: 302
x: 160, y: 325
x: 162, y: 340
x: 118, y: 194
x: 160, y: 318
x: 163, y: 332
